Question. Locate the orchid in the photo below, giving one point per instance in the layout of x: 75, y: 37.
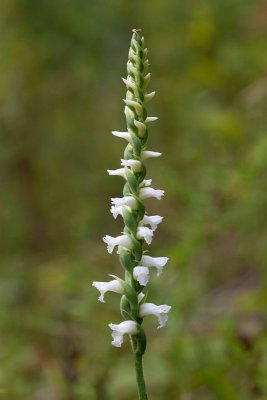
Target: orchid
x: 161, y: 312
x: 118, y: 330
x: 139, y: 227
x: 111, y: 286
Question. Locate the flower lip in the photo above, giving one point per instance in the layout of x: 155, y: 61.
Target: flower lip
x: 122, y: 240
x: 111, y: 286
x: 143, y: 232
x: 141, y: 274
x: 123, y: 135
x: 118, y: 330
x: 134, y: 164
x: 161, y: 312
x: 124, y: 201
x: 150, y: 154
x: 147, y: 192
x: 118, y: 210
x: 118, y: 172
x: 152, y: 220
x: 157, y: 262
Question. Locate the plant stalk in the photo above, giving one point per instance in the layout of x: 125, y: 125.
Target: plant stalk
x: 140, y: 377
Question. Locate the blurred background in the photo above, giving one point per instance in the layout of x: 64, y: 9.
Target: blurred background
x: 60, y: 97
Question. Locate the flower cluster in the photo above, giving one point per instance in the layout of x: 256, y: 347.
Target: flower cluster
x: 139, y: 227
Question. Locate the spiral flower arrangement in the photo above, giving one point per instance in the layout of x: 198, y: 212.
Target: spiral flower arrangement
x: 139, y: 227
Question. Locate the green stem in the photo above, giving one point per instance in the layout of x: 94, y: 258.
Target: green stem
x: 140, y: 377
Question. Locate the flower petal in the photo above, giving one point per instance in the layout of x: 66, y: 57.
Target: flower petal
x: 103, y: 287
x: 141, y: 274
x: 152, y: 220
x: 150, y: 154
x: 118, y: 330
x: 143, y: 232
x: 134, y: 164
x: 161, y: 312
x: 151, y: 119
x: 122, y: 240
x: 119, y: 172
x: 148, y: 192
x: 157, y: 262
x: 123, y: 135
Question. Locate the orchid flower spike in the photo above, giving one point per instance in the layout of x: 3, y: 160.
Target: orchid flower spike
x: 139, y: 227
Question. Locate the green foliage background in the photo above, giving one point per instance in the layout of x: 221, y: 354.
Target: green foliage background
x: 60, y: 96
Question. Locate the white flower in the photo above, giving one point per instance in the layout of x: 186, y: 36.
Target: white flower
x: 146, y: 182
x: 152, y: 220
x: 161, y: 312
x: 118, y: 330
x: 131, y: 103
x: 141, y: 127
x: 150, y: 154
x: 122, y: 240
x: 123, y: 135
x: 151, y: 119
x: 119, y: 172
x: 119, y: 202
x: 141, y: 274
x: 124, y: 201
x: 111, y: 286
x: 149, y: 96
x: 135, y: 165
x: 115, y: 211
x: 158, y: 262
x: 143, y: 232
x: 129, y: 82
x: 131, y: 68
x: 147, y: 192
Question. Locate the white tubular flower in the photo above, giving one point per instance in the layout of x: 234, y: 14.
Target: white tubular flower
x: 143, y: 232
x: 135, y: 165
x: 141, y: 127
x: 124, y: 201
x: 146, y: 182
x: 129, y: 83
x: 123, y: 135
x: 115, y: 211
x: 147, y: 79
x: 111, y: 286
x: 149, y: 96
x: 122, y: 240
x: 131, y: 103
x: 147, y: 192
x: 151, y: 119
x: 152, y: 220
x: 119, y: 203
x: 157, y: 262
x: 141, y: 274
x: 119, y: 172
x: 161, y: 312
x: 118, y: 330
x: 131, y: 68
x: 150, y: 154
